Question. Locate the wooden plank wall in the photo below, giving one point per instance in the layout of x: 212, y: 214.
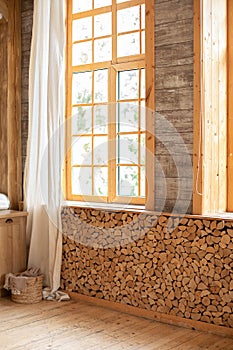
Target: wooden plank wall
x: 213, y: 112
x: 174, y: 102
x: 3, y: 106
x: 10, y: 110
x: 27, y: 20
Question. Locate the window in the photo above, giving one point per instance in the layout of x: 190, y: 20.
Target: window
x: 107, y: 74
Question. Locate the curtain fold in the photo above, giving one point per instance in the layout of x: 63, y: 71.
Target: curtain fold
x: 45, y: 148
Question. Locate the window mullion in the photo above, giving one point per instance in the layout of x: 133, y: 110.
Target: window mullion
x: 112, y: 134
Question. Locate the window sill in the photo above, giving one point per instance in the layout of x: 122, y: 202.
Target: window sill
x: 105, y: 206
x: 141, y: 208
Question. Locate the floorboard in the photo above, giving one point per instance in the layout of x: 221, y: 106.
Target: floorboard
x: 51, y: 325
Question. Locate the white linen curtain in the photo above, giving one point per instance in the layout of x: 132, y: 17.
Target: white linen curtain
x: 43, y: 170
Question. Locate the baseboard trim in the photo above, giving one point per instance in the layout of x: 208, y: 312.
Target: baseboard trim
x: 152, y: 315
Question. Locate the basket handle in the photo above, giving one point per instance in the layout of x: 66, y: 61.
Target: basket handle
x: 8, y: 221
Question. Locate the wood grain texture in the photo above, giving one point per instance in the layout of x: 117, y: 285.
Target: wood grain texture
x: 27, y: 22
x: 230, y: 109
x: 173, y: 92
x: 4, y: 9
x: 83, y: 325
x: 14, y: 103
x: 3, y: 107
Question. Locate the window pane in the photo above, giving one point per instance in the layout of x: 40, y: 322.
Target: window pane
x: 143, y: 182
x: 102, y: 3
x: 82, y: 120
x: 101, y: 119
x: 103, y: 50
x: 100, y: 150
x: 128, y: 45
x: 103, y: 24
x: 82, y: 181
x: 143, y: 149
x: 119, y: 1
x: 101, y: 85
x: 143, y: 16
x: 82, y: 150
x: 143, y: 83
x: 82, y: 53
x: 143, y: 42
x: 81, y: 5
x: 127, y: 181
x: 128, y: 19
x: 128, y: 149
x: 101, y: 181
x: 128, y: 84
x: 82, y: 29
x: 127, y: 117
x: 143, y: 116
x: 82, y: 88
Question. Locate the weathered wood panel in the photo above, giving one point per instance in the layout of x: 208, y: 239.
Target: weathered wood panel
x: 174, y: 55
x: 174, y: 32
x: 174, y: 100
x: 14, y: 103
x: 170, y: 77
x: 27, y: 21
x: 3, y: 106
x: 173, y: 10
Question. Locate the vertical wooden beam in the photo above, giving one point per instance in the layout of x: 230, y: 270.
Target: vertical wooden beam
x: 197, y: 117
x: 150, y: 106
x: 3, y: 107
x: 230, y: 108
x: 14, y: 103
x: 210, y: 108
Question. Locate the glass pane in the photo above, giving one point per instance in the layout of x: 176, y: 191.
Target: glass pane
x: 143, y: 83
x: 128, y: 84
x: 119, y: 1
x: 82, y: 120
x: 128, y: 149
x: 101, y: 119
x: 81, y: 150
x: 81, y: 5
x: 82, y: 29
x: 128, y: 19
x: 143, y: 182
x: 102, y: 3
x: 82, y: 181
x: 103, y: 24
x: 103, y: 50
x: 143, y: 149
x: 101, y: 181
x: 101, y: 85
x: 127, y: 181
x: 82, y: 53
x: 127, y: 117
x: 128, y: 45
x: 82, y: 88
x: 143, y: 16
x: 143, y: 116
x: 143, y: 42
x: 100, y: 150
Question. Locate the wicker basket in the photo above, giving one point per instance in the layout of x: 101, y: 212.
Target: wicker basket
x: 32, y: 293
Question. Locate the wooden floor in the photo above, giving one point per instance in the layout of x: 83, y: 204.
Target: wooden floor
x: 82, y: 326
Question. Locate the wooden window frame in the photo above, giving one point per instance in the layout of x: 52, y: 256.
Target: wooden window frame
x: 139, y: 61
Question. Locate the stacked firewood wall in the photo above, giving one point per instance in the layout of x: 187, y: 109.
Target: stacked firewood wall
x: 178, y: 266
